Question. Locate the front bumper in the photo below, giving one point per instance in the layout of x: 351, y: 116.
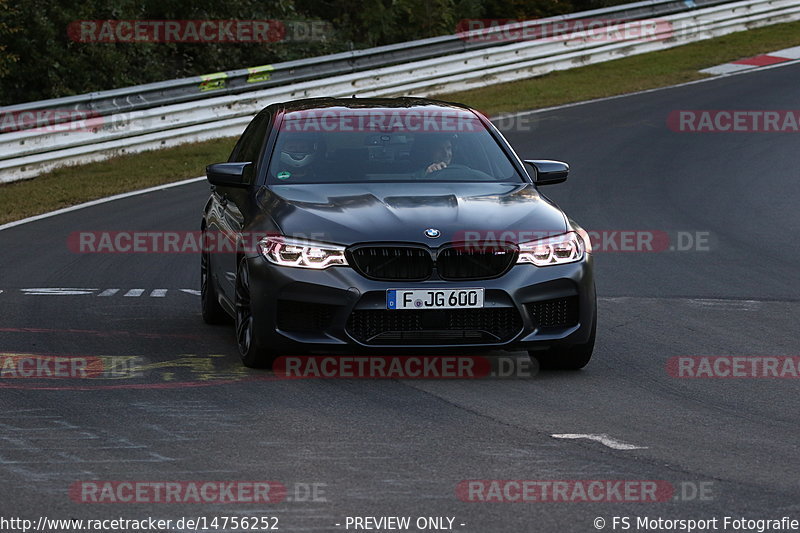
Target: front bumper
x: 300, y: 310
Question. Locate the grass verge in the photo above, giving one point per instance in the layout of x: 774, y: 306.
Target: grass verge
x: 72, y: 185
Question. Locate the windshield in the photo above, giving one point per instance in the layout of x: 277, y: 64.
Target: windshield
x: 417, y: 144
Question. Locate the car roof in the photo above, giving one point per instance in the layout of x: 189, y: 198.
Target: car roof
x: 367, y: 103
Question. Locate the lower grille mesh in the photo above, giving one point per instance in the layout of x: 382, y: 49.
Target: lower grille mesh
x: 451, y: 326
x: 303, y: 316
x: 556, y: 313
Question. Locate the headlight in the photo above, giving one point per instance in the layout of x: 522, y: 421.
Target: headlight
x: 558, y: 250
x: 304, y: 254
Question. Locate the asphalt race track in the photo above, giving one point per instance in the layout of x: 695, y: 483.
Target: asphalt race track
x: 727, y: 447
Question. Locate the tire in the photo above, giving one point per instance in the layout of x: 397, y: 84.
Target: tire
x: 572, y: 357
x: 252, y: 352
x: 213, y: 313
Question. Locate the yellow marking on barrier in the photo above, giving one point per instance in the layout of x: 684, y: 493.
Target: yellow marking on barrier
x: 212, y: 82
x: 258, y: 74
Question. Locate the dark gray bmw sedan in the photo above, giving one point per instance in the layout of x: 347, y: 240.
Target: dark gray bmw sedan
x: 392, y: 226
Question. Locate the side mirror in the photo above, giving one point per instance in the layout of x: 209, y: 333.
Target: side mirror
x: 547, y: 172
x: 230, y: 174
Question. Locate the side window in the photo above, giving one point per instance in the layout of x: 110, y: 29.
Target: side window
x: 234, y: 157
x: 249, y: 145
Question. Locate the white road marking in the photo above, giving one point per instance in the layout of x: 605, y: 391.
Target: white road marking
x: 603, y: 439
x: 57, y: 291
x: 790, y: 53
x: 109, y: 292
x: 706, y: 303
x: 75, y: 291
x: 727, y: 68
x: 99, y: 201
x: 739, y: 305
x: 134, y: 293
x: 787, y: 54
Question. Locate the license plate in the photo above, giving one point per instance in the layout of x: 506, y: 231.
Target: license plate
x: 434, y: 298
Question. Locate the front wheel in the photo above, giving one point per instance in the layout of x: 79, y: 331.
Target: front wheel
x: 571, y: 357
x: 253, y: 354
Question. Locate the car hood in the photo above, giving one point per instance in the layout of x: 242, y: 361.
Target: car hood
x: 401, y: 212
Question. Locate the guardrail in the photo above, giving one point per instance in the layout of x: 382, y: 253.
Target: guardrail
x: 25, y: 154
x: 262, y: 77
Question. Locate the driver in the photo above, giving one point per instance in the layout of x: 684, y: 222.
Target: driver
x: 441, y: 155
x: 432, y: 154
